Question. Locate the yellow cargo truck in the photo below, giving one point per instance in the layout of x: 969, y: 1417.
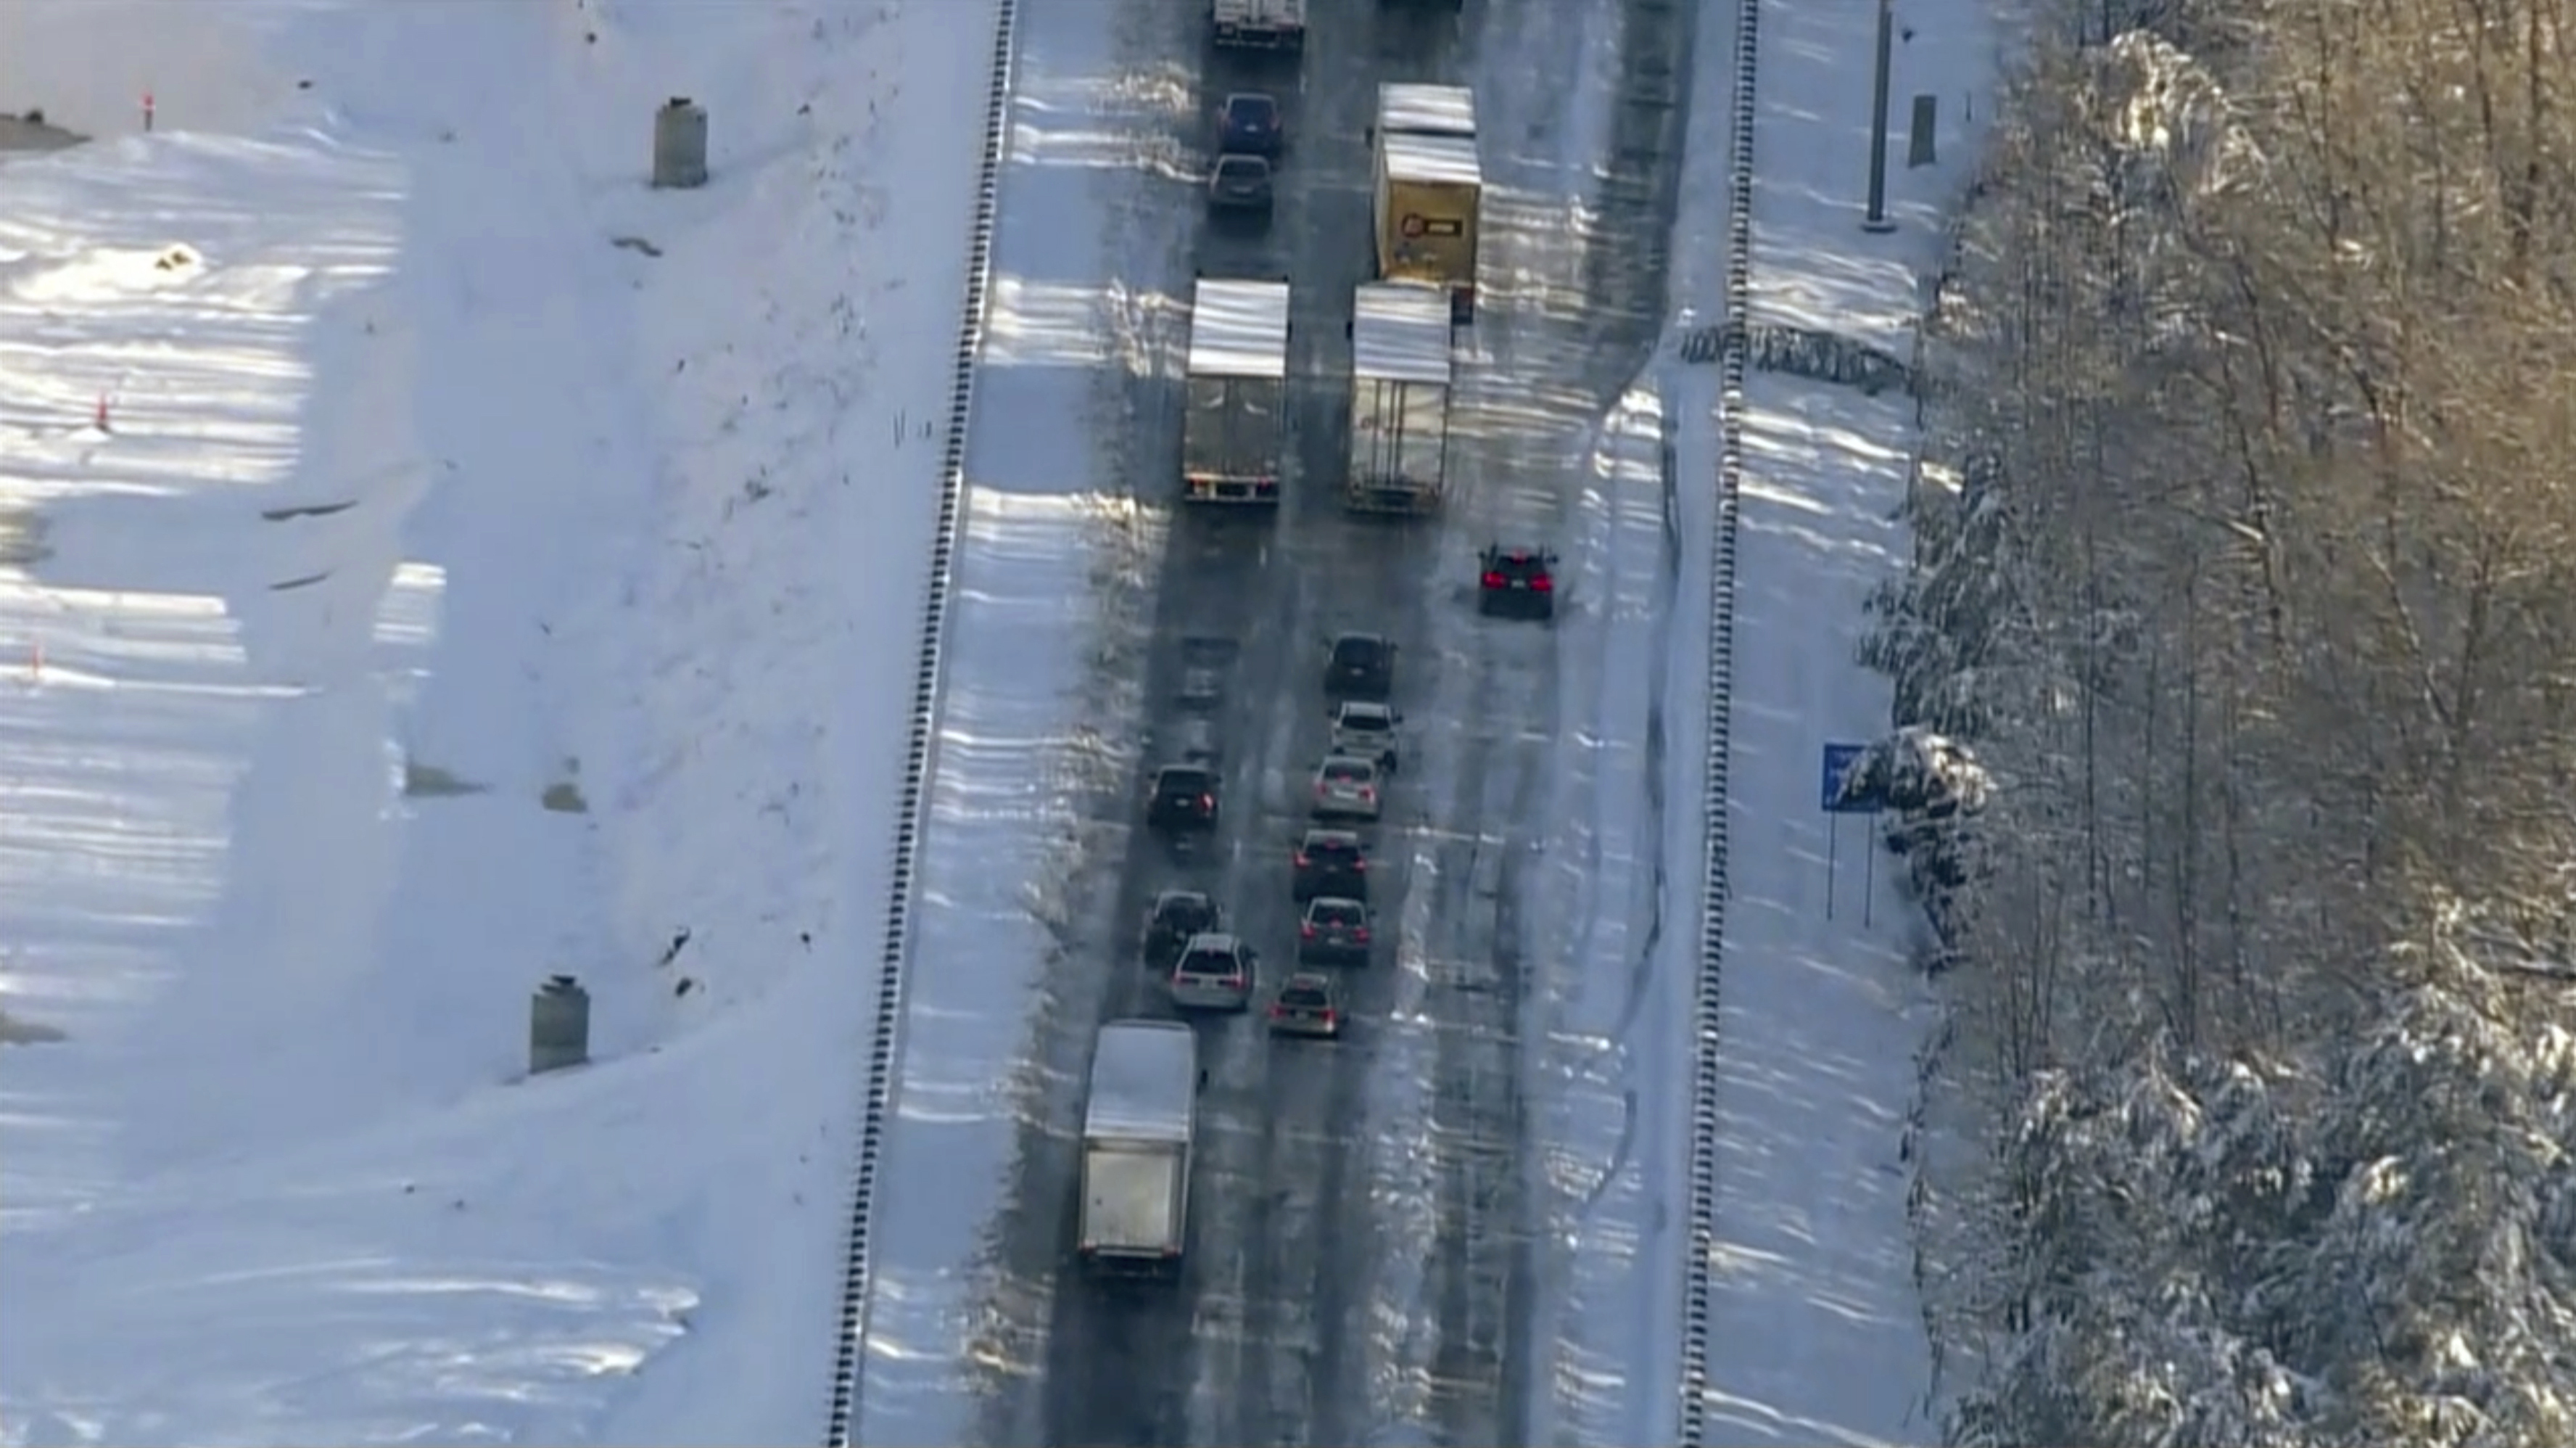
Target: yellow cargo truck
x: 1429, y: 189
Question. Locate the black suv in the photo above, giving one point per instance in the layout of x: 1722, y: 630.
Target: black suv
x: 1518, y: 581
x: 1249, y: 124
x: 1177, y: 915
x: 1183, y: 798
x: 1331, y: 862
x: 1360, y: 666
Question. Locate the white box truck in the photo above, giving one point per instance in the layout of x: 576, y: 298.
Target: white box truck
x: 1263, y: 24
x: 1234, y: 423
x: 1399, y: 398
x: 1137, y: 1130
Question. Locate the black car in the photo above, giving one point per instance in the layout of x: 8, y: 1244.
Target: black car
x: 1175, y: 916
x: 1249, y: 124
x: 1518, y: 581
x: 1331, y: 862
x: 1183, y: 798
x: 1240, y: 184
x: 1360, y: 666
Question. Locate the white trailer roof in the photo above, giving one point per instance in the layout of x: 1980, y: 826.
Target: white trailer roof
x: 1430, y: 110
x: 1239, y: 329
x: 1400, y: 333
x: 1449, y: 159
x: 1144, y: 1081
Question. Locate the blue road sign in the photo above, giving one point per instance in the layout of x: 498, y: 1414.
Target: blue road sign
x: 1839, y: 759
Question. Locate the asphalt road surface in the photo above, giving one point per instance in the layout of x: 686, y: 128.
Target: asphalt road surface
x: 1319, y: 1303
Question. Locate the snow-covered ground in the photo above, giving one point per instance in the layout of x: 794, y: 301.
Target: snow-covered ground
x: 1816, y: 1330
x: 489, y: 567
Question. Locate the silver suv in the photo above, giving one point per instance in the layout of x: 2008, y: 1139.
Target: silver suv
x: 1367, y: 729
x: 1215, y: 973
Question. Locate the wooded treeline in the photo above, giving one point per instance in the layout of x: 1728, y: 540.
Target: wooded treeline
x: 2248, y: 566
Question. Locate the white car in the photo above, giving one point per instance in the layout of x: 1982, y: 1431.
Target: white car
x: 1366, y: 729
x: 1215, y: 973
x: 1346, y: 788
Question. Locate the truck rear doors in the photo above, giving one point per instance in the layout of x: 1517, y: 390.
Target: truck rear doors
x: 1233, y: 427
x: 1400, y: 380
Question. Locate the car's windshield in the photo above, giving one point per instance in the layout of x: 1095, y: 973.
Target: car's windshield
x: 1208, y: 962
x: 1338, y: 913
x: 1304, y: 996
x: 1250, y: 110
x: 1363, y: 716
x: 1184, y: 781
x: 1355, y: 653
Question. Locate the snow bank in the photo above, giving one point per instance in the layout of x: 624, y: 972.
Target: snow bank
x: 1813, y: 266
x: 1815, y: 1330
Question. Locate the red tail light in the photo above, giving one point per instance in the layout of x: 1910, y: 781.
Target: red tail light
x: 1367, y: 794
x: 1233, y: 982
x: 1543, y: 583
x: 1207, y: 801
x: 1359, y: 934
x: 1277, y: 1011
x: 1493, y: 579
x: 1330, y: 1015
x: 1306, y: 932
x: 1359, y: 864
x: 1300, y: 859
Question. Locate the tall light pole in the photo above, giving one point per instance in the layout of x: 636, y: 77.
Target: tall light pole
x: 1876, y: 219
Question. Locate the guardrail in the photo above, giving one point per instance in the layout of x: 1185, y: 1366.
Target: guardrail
x: 849, y: 1364
x: 1706, y: 1015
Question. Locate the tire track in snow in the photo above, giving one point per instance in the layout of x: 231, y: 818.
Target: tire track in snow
x: 1591, y: 314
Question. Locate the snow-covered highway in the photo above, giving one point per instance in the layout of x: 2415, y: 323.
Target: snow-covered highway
x: 490, y: 567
